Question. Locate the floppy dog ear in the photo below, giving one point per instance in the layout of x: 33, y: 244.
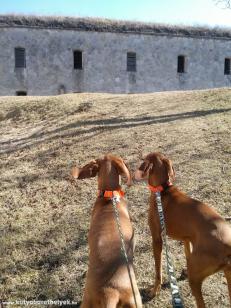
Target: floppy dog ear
x: 169, y: 167
x: 143, y: 170
x: 88, y: 171
x: 123, y: 170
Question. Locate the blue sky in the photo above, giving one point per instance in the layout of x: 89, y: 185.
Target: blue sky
x: 191, y: 12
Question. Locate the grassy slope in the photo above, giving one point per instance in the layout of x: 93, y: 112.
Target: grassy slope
x: 44, y: 220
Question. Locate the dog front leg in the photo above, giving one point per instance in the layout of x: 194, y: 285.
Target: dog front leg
x: 157, y: 252
x: 188, y: 251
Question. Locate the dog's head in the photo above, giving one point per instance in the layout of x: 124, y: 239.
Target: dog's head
x: 156, y: 169
x: 108, y: 170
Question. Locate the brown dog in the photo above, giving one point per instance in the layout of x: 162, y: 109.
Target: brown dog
x: 107, y: 283
x: 206, y: 235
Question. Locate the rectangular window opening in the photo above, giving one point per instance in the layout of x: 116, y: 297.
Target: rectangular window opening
x: 131, y: 62
x: 21, y: 93
x: 20, y: 57
x: 227, y: 66
x: 181, y: 64
x: 78, y: 60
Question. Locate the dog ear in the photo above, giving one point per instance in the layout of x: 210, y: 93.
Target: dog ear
x: 88, y: 171
x: 123, y: 170
x: 143, y: 170
x: 169, y: 167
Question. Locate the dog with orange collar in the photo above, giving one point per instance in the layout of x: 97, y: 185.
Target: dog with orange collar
x: 205, y: 234
x: 108, y: 282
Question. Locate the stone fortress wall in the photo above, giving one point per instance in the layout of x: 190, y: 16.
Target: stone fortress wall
x: 49, y: 44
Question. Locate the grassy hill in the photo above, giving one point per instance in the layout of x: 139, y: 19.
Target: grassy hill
x: 44, y: 219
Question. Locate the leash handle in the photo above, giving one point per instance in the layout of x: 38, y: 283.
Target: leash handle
x: 177, y: 301
x: 116, y: 200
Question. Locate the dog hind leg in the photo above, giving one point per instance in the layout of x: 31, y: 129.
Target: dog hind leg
x: 196, y: 291
x: 131, y: 302
x: 197, y: 272
x: 228, y: 278
x: 110, y: 299
x: 86, y: 304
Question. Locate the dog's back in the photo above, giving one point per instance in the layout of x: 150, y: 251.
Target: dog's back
x: 187, y: 218
x: 107, y: 265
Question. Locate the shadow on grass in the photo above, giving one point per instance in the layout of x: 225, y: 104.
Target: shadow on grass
x: 59, y: 173
x: 51, y: 261
x: 99, y: 126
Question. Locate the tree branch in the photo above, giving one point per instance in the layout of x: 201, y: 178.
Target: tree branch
x: 225, y: 4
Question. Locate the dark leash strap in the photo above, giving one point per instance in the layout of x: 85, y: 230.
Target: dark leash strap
x: 177, y: 301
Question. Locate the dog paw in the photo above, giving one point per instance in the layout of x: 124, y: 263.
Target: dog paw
x: 147, y: 294
x: 184, y: 274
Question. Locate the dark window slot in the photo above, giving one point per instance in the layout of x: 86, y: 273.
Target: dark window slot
x: 227, y: 67
x: 181, y: 64
x: 131, y: 62
x: 20, y: 58
x: 78, y: 60
x: 21, y: 93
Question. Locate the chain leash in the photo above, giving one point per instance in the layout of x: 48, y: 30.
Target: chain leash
x: 116, y: 200
x: 177, y: 302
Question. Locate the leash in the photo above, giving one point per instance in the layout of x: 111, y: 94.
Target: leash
x: 177, y: 302
x: 115, y: 200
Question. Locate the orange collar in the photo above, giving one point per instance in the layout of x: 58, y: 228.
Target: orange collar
x: 110, y: 193
x: 160, y: 187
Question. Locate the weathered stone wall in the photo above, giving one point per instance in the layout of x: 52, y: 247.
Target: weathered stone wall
x: 49, y: 62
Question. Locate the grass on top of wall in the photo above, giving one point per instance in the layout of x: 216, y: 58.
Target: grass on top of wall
x: 110, y: 25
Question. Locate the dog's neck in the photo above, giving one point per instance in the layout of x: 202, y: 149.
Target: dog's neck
x: 108, y: 178
x: 109, y: 185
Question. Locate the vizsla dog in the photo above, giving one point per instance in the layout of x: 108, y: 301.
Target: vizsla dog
x: 206, y: 235
x: 107, y: 283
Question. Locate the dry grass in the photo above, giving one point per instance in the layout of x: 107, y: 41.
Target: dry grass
x: 110, y: 25
x: 44, y: 219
